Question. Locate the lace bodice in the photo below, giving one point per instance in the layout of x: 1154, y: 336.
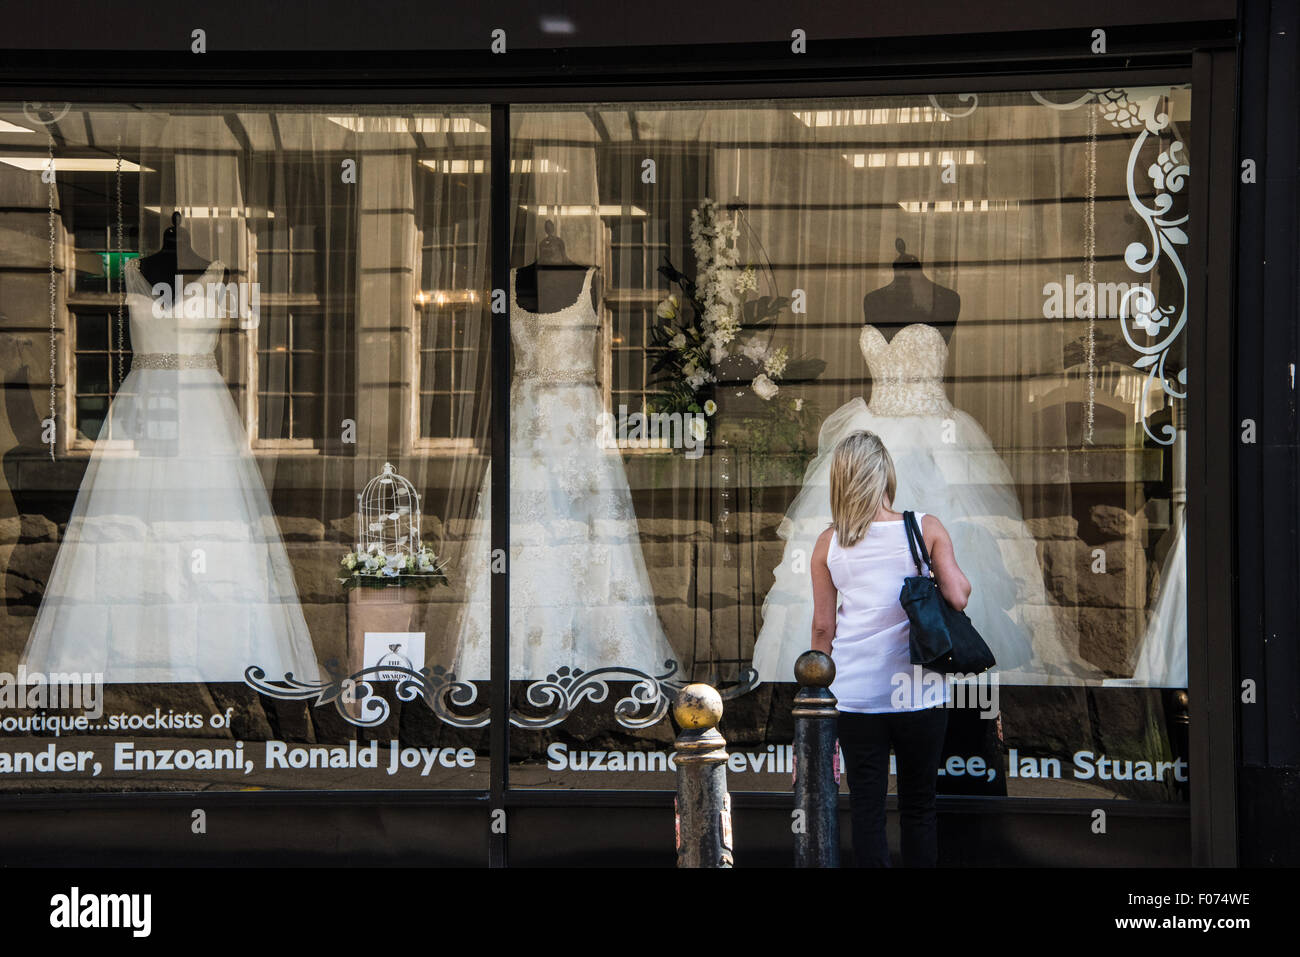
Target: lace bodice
x: 555, y: 346
x: 907, y: 371
x: 187, y: 328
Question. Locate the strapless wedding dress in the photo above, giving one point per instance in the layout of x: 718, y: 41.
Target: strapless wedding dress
x: 172, y: 568
x: 946, y: 466
x: 580, y: 596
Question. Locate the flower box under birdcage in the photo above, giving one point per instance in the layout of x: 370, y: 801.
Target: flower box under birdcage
x: 389, y: 552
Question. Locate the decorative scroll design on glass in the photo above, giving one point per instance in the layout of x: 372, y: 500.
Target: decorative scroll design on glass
x: 557, y: 695
x: 1163, y: 317
x: 357, y: 701
x: 46, y: 114
x: 1168, y: 174
x: 972, y: 98
x: 644, y: 705
x: 552, y: 699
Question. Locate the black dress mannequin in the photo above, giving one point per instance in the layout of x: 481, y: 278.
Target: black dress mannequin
x: 175, y: 257
x: 911, y: 298
x: 554, y: 281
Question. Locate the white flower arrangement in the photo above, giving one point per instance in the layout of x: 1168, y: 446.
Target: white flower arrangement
x: 774, y: 364
x: 668, y: 308
x: 754, y: 350
x: 374, y: 568
x: 764, y: 387
x: 721, y: 323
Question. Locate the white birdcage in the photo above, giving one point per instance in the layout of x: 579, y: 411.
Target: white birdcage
x: 388, y: 515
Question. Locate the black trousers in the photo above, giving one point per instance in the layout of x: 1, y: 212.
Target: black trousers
x: 917, y: 740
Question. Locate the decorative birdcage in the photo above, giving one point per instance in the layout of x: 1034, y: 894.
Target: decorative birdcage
x: 388, y: 515
x: 388, y: 547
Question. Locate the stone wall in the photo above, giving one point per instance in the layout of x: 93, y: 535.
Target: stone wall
x: 709, y: 587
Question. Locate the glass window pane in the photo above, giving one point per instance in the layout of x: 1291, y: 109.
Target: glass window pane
x: 307, y: 374
x: 92, y: 332
x: 308, y: 417
x: 950, y: 278
x: 92, y: 374
x: 203, y: 540
x: 436, y: 371
x: 273, y: 330
x: 308, y: 332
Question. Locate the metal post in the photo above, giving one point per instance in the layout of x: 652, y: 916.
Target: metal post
x: 816, y: 794
x: 702, y: 805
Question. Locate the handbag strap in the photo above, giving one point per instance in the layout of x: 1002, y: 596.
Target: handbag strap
x: 915, y: 542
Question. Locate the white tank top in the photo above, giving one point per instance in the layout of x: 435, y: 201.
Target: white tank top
x: 873, y: 666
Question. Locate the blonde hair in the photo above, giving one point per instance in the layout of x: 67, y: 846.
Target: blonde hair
x: 862, y: 480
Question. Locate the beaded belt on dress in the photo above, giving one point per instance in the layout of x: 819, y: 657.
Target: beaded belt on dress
x: 557, y: 375
x: 909, y: 395
x: 174, y: 360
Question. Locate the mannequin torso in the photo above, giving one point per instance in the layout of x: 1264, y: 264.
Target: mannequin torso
x: 911, y: 298
x: 175, y: 258
x: 543, y: 288
x: 554, y: 281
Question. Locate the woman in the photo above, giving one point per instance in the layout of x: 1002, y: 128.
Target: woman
x: 883, y: 701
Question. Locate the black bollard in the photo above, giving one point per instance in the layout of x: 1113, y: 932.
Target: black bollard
x: 816, y: 795
x: 703, y: 805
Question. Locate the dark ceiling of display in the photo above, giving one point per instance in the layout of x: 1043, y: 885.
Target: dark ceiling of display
x: 407, y: 25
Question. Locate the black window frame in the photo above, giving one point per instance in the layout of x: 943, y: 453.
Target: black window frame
x: 1202, y: 54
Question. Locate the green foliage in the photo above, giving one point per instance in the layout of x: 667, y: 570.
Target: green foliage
x: 777, y: 440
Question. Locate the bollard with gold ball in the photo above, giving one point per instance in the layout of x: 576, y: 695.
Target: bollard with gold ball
x: 816, y: 793
x: 702, y: 804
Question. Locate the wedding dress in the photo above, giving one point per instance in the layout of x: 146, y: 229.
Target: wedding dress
x: 1162, y: 658
x: 945, y: 466
x: 172, y: 568
x: 580, y: 596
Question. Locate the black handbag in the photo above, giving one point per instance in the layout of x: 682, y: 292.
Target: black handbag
x: 941, y: 637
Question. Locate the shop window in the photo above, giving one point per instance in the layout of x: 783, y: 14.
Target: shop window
x: 955, y: 274
x: 241, y: 506
x: 951, y: 276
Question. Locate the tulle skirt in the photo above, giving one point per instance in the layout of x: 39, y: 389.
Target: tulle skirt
x: 1162, y: 656
x: 172, y: 568
x: 946, y: 466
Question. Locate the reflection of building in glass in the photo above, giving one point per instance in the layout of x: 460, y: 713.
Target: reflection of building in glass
x: 374, y: 345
